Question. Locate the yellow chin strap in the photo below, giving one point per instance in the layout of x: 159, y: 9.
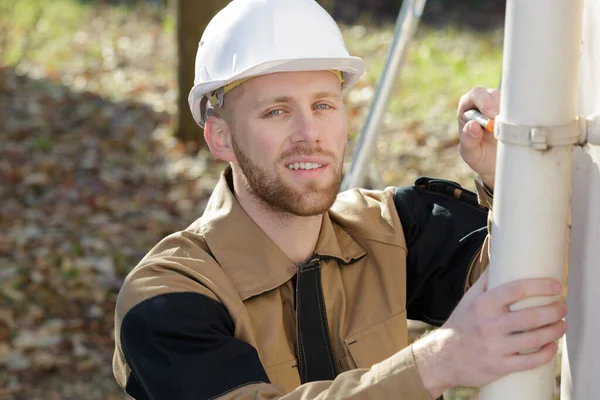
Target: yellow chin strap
x: 216, y: 97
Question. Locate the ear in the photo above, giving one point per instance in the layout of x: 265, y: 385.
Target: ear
x: 217, y: 134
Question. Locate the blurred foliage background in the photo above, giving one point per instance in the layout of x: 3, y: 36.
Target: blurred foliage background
x: 94, y: 169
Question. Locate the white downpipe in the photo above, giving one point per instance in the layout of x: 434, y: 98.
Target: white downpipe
x: 532, y: 190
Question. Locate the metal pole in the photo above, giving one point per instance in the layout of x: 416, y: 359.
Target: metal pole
x: 406, y: 25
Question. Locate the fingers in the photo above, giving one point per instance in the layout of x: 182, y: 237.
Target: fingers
x: 486, y: 101
x: 471, y: 136
x: 500, y: 297
x: 535, y: 339
x: 532, y: 318
x: 495, y: 93
x: 522, y: 362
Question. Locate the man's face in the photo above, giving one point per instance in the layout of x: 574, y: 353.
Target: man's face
x: 288, y: 136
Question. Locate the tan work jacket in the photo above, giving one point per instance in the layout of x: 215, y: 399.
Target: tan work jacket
x: 213, y: 311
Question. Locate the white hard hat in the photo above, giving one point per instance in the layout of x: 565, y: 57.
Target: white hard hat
x: 249, y: 38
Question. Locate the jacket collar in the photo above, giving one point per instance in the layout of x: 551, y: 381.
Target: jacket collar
x: 253, y: 262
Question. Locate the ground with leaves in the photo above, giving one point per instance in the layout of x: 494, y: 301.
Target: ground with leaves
x: 91, y: 178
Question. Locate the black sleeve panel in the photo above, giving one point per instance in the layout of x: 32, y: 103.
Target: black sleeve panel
x: 181, y: 346
x: 444, y: 229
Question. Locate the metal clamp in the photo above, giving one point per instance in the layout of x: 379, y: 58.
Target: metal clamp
x: 538, y: 137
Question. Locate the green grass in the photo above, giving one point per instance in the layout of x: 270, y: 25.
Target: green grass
x: 109, y: 50
x: 46, y: 27
x: 439, y: 66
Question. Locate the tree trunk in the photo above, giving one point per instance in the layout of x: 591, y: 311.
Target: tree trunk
x: 192, y: 18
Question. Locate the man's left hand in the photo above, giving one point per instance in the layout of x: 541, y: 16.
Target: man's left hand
x: 477, y: 146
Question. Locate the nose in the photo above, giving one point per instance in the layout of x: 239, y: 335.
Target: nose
x: 306, y: 128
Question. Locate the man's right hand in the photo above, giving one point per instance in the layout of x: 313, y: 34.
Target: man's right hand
x: 483, y: 340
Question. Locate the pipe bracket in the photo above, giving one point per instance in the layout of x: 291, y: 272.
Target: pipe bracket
x: 581, y: 131
x: 538, y: 137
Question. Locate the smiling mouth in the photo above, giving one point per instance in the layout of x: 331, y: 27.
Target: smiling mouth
x: 303, y: 166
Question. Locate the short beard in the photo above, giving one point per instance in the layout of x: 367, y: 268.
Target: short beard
x: 277, y: 198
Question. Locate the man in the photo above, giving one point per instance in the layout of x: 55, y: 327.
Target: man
x: 285, y: 289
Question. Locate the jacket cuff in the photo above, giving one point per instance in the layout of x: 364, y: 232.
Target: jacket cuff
x: 485, y: 196
x: 400, y: 378
x: 481, y: 260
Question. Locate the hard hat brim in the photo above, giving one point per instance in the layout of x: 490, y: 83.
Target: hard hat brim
x: 351, y: 67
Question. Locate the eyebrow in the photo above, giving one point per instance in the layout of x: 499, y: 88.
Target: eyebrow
x: 280, y: 99
x: 326, y: 93
x: 288, y: 99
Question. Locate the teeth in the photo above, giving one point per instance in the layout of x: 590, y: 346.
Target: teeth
x: 302, y: 165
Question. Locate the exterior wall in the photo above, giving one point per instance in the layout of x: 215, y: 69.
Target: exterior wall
x: 581, y: 349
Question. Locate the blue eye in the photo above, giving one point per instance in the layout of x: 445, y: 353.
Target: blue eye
x: 323, y: 106
x: 275, y: 112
